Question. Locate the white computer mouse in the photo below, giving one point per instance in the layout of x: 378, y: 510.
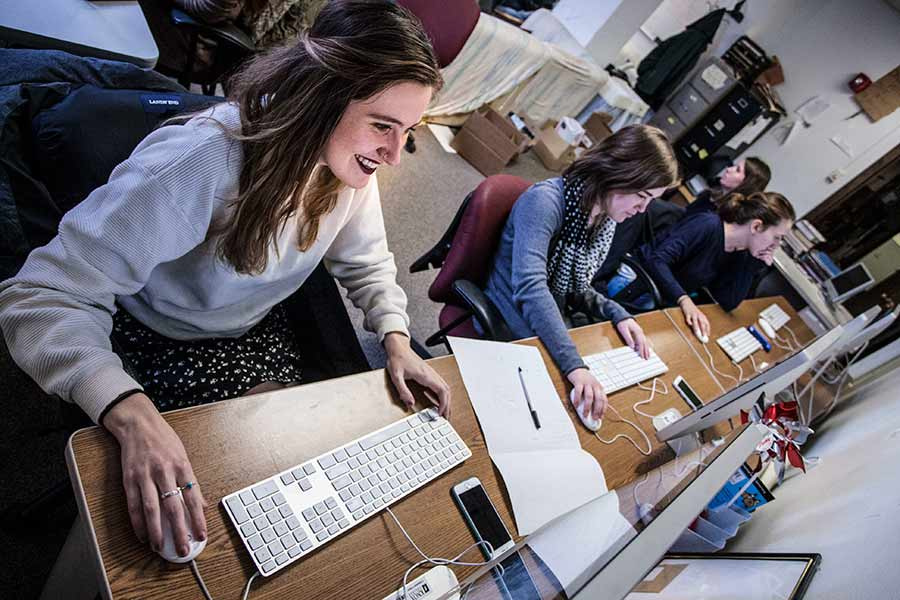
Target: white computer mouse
x: 703, y: 338
x: 589, y: 421
x: 168, y: 551
x: 767, y: 328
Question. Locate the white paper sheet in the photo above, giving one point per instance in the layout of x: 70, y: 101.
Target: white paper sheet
x: 546, y: 472
x: 578, y: 544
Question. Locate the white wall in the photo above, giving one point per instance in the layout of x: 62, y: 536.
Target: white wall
x: 822, y: 44
x: 628, y: 16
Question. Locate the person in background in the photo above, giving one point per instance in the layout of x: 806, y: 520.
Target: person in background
x: 721, y: 250
x: 557, y: 237
x: 267, y: 22
x: 743, y: 177
x: 187, y: 253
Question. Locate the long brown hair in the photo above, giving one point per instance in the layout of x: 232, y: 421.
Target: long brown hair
x: 635, y: 158
x: 291, y: 100
x: 769, y: 207
x: 757, y: 175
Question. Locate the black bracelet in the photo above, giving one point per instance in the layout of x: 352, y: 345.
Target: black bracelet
x: 115, y: 401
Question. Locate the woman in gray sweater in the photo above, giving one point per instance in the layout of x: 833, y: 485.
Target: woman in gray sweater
x: 189, y: 249
x: 557, y: 238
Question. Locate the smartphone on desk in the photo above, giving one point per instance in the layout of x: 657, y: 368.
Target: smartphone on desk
x: 687, y: 393
x: 484, y: 522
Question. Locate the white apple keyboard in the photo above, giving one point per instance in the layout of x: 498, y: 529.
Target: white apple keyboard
x: 623, y: 367
x: 739, y: 344
x: 775, y: 316
x: 284, y: 517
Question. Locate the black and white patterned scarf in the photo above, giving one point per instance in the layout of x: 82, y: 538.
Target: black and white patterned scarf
x: 578, y: 252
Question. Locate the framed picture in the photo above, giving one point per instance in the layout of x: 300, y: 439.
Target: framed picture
x: 728, y: 576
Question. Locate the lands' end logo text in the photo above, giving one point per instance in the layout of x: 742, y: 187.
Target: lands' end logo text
x: 164, y: 101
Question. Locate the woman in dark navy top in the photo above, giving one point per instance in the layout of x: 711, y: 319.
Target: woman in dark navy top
x: 720, y: 250
x: 743, y: 177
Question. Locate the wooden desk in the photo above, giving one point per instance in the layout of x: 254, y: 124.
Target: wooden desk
x: 237, y: 442
x: 722, y: 323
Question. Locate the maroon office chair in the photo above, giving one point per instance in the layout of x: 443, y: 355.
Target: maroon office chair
x: 464, y: 256
x: 448, y: 24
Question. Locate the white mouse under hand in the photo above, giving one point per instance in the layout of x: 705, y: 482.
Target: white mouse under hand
x: 168, y: 550
x: 703, y: 338
x: 587, y: 418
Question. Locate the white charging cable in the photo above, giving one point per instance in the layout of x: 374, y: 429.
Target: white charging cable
x: 437, y: 561
x: 200, y: 582
x: 782, y: 342
x: 793, y: 335
x: 634, y: 408
x: 652, y: 390
x: 712, y: 364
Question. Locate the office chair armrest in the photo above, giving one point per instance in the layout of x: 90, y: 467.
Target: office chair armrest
x: 434, y: 258
x: 484, y: 311
x: 226, y: 32
x: 644, y: 278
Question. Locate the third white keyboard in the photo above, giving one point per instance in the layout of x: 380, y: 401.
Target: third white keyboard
x: 776, y: 316
x: 739, y: 344
x: 622, y: 367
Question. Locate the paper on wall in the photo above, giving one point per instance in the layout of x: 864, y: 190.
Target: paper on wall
x: 812, y: 109
x: 714, y: 76
x: 545, y: 470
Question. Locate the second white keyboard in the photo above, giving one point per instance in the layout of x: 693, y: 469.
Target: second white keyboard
x: 776, y: 316
x: 739, y: 344
x: 290, y: 514
x: 622, y: 367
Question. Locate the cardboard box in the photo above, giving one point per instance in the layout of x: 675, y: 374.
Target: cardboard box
x: 596, y: 128
x: 553, y: 151
x: 556, y: 154
x: 488, y: 140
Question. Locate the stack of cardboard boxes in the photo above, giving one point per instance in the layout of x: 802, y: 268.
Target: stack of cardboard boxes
x: 489, y: 141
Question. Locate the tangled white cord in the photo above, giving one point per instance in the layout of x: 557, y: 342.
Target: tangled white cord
x: 712, y: 364
x: 753, y: 362
x: 437, y: 561
x: 635, y: 408
x: 793, y: 335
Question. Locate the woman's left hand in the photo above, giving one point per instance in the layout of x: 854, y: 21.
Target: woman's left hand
x: 634, y: 337
x: 403, y: 363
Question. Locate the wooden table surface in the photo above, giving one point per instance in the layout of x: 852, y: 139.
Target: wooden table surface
x: 238, y: 442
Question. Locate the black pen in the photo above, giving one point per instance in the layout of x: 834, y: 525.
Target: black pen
x: 534, y: 417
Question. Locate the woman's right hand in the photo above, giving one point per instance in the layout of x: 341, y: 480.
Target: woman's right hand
x: 154, y: 461
x: 588, y: 389
x: 693, y: 316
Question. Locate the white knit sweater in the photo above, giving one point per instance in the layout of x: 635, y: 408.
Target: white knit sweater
x: 141, y: 240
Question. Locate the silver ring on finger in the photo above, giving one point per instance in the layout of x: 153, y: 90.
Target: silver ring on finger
x: 170, y: 493
x: 187, y: 486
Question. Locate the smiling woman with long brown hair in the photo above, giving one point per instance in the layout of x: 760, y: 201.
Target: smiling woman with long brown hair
x: 185, y: 255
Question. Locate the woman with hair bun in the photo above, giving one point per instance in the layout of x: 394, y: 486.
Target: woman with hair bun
x: 186, y: 254
x: 721, y: 250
